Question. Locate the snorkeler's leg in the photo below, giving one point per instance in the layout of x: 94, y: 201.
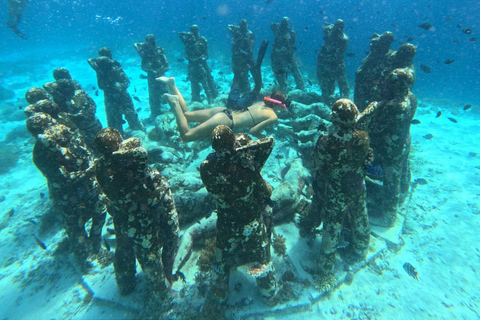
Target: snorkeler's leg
x: 205, y: 129
x: 169, y: 82
x: 182, y: 123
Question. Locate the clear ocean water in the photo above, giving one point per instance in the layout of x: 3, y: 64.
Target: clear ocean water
x: 439, y: 236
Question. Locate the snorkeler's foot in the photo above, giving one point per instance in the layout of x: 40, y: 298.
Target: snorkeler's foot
x: 172, y: 100
x: 168, y: 81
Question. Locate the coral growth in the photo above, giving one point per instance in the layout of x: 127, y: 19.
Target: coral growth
x: 207, y: 255
x: 278, y: 244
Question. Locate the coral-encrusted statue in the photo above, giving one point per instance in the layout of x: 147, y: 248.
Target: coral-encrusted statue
x: 232, y: 176
x: 143, y: 211
x: 340, y: 160
x: 65, y: 160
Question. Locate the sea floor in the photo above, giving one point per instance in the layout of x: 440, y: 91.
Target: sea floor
x: 437, y: 231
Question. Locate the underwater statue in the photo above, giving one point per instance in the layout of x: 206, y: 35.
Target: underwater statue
x: 155, y: 64
x: 65, y: 160
x: 283, y: 55
x: 389, y: 132
x: 377, y: 65
x: 114, y: 82
x: 15, y: 15
x: 196, y: 52
x: 340, y: 161
x: 232, y: 176
x: 258, y: 116
x: 76, y: 103
x: 331, y: 62
x: 143, y: 210
x: 368, y: 75
x: 242, y: 55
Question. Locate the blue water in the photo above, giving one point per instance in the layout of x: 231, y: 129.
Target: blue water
x: 67, y: 30
x: 65, y: 26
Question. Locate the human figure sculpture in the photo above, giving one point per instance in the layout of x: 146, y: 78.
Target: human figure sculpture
x: 155, y: 64
x: 76, y: 103
x: 283, y: 55
x: 196, y: 52
x: 114, y: 82
x: 340, y: 160
x: 389, y: 132
x: 242, y: 55
x: 369, y: 74
x: 143, y: 211
x: 15, y: 15
x: 64, y: 159
x: 244, y: 224
x: 331, y: 62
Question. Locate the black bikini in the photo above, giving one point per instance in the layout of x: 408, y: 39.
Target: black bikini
x: 229, y: 114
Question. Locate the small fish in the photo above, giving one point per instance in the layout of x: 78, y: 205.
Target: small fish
x: 468, y: 106
x: 31, y: 221
x: 429, y: 6
x: 350, y: 54
x: 96, y: 93
x: 309, y: 82
x: 280, y: 71
x: 415, y: 121
x: 39, y: 242
x: 453, y: 120
x: 204, y: 18
x: 342, y: 245
x: 459, y: 26
x: 107, y: 246
x: 20, y: 107
x: 425, y: 68
x: 420, y: 181
x: 138, y: 109
x: 448, y: 19
x: 410, y: 39
x: 320, y: 11
x: 136, y: 99
x: 180, y: 60
x: 42, y: 195
x: 473, y: 39
x: 142, y: 76
x: 134, y: 89
x: 467, y: 31
x: 11, y: 212
x: 425, y: 26
x: 439, y: 113
x: 93, y: 88
x: 393, y: 25
x: 456, y: 41
x: 110, y: 231
x: 220, y: 73
x: 428, y: 136
x: 410, y: 270
x: 449, y: 61
x: 179, y: 275
x: 269, y: 1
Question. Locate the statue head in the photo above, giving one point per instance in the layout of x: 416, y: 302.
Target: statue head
x: 285, y: 22
x: 194, y: 29
x: 223, y: 140
x: 39, y: 122
x: 108, y: 140
x: 105, y: 52
x: 243, y: 25
x: 36, y: 94
x: 344, y: 114
x: 150, y: 39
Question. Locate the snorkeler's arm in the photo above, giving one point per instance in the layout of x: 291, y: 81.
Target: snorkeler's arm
x: 257, y: 129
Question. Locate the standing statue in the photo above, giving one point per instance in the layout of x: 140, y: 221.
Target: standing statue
x: 389, y: 132
x: 155, y: 64
x: 340, y: 160
x: 283, y: 55
x: 114, y: 82
x: 64, y: 159
x: 196, y: 52
x: 76, y: 103
x: 331, y: 62
x: 242, y: 55
x: 143, y: 210
x: 232, y: 176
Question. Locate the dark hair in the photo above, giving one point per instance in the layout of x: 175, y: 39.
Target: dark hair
x: 281, y: 96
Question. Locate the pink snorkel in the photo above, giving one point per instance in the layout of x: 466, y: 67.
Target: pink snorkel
x: 268, y: 99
